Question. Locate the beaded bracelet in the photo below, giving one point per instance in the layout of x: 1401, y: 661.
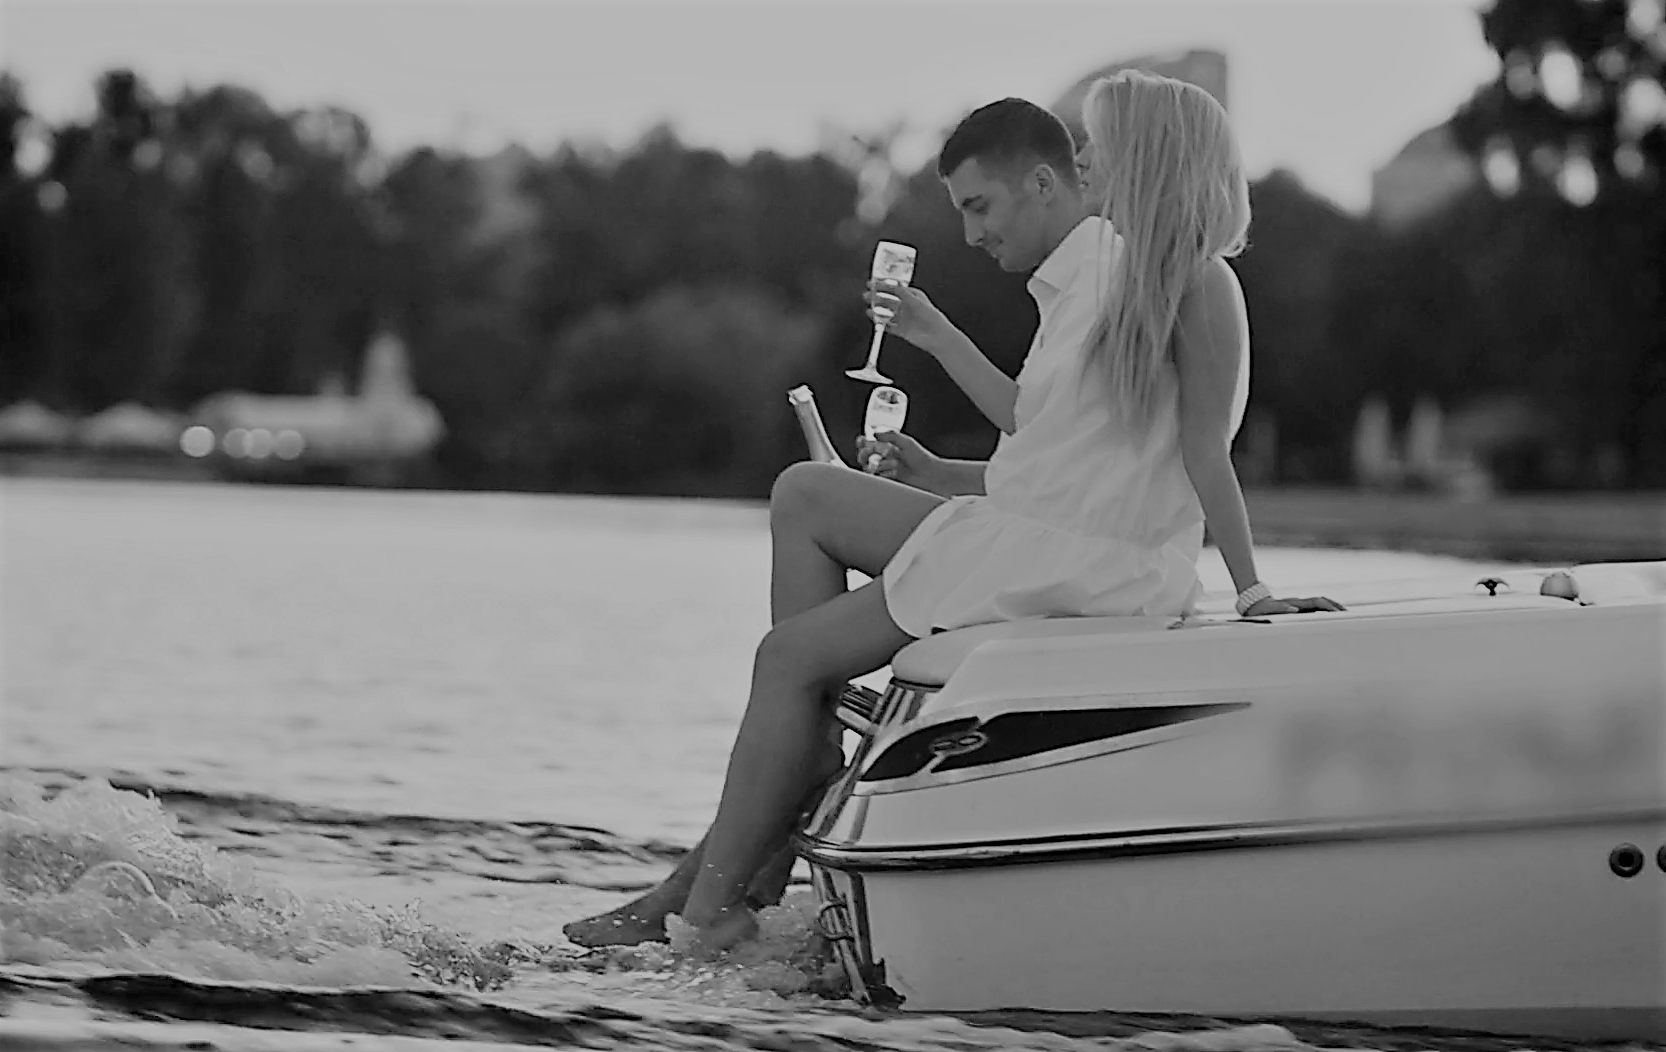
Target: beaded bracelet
x: 1252, y: 595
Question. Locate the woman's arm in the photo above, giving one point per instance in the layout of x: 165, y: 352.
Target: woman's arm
x: 1209, y: 353
x: 920, y: 322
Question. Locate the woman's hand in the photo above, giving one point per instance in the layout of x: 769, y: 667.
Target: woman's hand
x: 1270, y: 606
x: 917, y: 319
x: 893, y: 455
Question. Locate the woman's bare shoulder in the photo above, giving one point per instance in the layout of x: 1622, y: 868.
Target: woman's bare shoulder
x: 1216, y: 284
x: 1211, y: 309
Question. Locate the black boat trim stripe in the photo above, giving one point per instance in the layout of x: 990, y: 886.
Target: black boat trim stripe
x: 1189, y: 839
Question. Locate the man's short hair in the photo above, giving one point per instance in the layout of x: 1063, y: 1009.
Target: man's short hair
x: 1009, y: 134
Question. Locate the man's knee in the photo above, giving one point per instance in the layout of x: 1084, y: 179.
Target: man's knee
x: 799, y: 490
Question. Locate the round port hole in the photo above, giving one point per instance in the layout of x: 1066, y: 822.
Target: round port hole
x: 1626, y: 860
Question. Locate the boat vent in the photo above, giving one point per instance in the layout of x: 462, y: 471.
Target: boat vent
x: 910, y: 753
x: 969, y: 742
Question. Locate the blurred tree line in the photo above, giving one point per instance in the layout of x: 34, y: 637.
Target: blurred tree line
x: 629, y: 320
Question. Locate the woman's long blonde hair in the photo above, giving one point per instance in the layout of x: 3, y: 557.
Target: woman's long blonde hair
x: 1176, y: 193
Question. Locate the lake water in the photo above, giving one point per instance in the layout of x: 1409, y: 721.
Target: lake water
x: 356, y: 739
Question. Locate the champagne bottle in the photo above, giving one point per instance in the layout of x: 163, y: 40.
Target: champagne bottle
x: 815, y: 432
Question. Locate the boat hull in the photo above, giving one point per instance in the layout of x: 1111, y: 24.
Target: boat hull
x: 1444, y: 811
x: 1508, y: 927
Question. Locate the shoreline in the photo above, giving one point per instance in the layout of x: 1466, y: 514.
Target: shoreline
x: 1590, y: 526
x: 1607, y: 526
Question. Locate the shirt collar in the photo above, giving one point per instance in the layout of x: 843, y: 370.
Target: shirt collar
x: 1079, y: 247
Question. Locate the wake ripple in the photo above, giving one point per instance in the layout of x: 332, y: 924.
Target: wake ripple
x: 112, y: 922
x: 518, y: 852
x: 107, y: 1001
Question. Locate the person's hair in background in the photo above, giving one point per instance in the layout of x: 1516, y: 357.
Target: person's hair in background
x: 1175, y: 192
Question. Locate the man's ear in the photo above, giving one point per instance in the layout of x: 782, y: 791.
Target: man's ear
x: 1046, y: 180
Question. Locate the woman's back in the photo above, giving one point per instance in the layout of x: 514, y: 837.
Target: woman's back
x: 1077, y: 518
x: 1068, y: 464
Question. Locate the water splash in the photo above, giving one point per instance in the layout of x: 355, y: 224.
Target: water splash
x: 787, y: 965
x: 96, y: 876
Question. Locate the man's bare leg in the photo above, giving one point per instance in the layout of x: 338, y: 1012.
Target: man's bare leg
x: 823, y: 520
x: 643, y: 918
x: 770, y: 765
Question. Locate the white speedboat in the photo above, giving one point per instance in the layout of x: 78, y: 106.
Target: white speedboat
x: 1445, y: 806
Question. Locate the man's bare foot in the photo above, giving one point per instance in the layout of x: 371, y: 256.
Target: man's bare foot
x: 730, y: 927
x: 620, y: 927
x: 643, y: 919
x: 638, y: 921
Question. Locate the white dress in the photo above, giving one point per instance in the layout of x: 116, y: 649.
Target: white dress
x: 1077, y: 521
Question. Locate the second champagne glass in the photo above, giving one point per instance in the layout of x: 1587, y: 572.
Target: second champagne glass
x: 887, y: 410
x: 892, y: 262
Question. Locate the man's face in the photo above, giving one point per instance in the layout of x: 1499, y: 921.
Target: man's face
x: 1000, y: 212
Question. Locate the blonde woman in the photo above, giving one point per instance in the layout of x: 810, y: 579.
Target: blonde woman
x: 1113, y: 453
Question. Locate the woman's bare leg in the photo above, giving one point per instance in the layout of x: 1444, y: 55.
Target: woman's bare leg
x: 768, y: 774
x: 821, y: 524
x: 823, y: 519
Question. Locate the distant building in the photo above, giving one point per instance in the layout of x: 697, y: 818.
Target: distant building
x: 507, y: 216
x: 385, y: 425
x: 1423, y: 177
x: 1206, y: 69
x: 30, y: 425
x: 126, y: 427
x: 131, y: 427
x: 1376, y: 457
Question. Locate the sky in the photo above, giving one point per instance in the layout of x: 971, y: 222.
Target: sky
x: 1329, y: 89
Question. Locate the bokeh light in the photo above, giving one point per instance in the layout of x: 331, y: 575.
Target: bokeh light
x: 1629, y: 162
x: 260, y: 444
x: 1502, y: 170
x: 288, y: 445
x: 1520, y: 77
x: 1578, y: 180
x: 255, y: 161
x: 1611, y: 63
x: 1559, y: 72
x: 34, y: 149
x: 52, y: 196
x: 1644, y: 17
x: 1642, y: 106
x: 147, y: 155
x: 196, y: 441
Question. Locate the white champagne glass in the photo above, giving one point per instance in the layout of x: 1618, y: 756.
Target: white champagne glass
x: 887, y: 409
x: 892, y: 263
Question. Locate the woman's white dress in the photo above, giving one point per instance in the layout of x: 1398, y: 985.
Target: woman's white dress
x: 1077, y: 521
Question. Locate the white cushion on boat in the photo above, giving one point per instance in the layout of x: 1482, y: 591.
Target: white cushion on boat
x: 931, y: 661
x: 1601, y: 583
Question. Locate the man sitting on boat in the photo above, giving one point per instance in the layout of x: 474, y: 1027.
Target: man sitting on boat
x: 1115, y: 450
